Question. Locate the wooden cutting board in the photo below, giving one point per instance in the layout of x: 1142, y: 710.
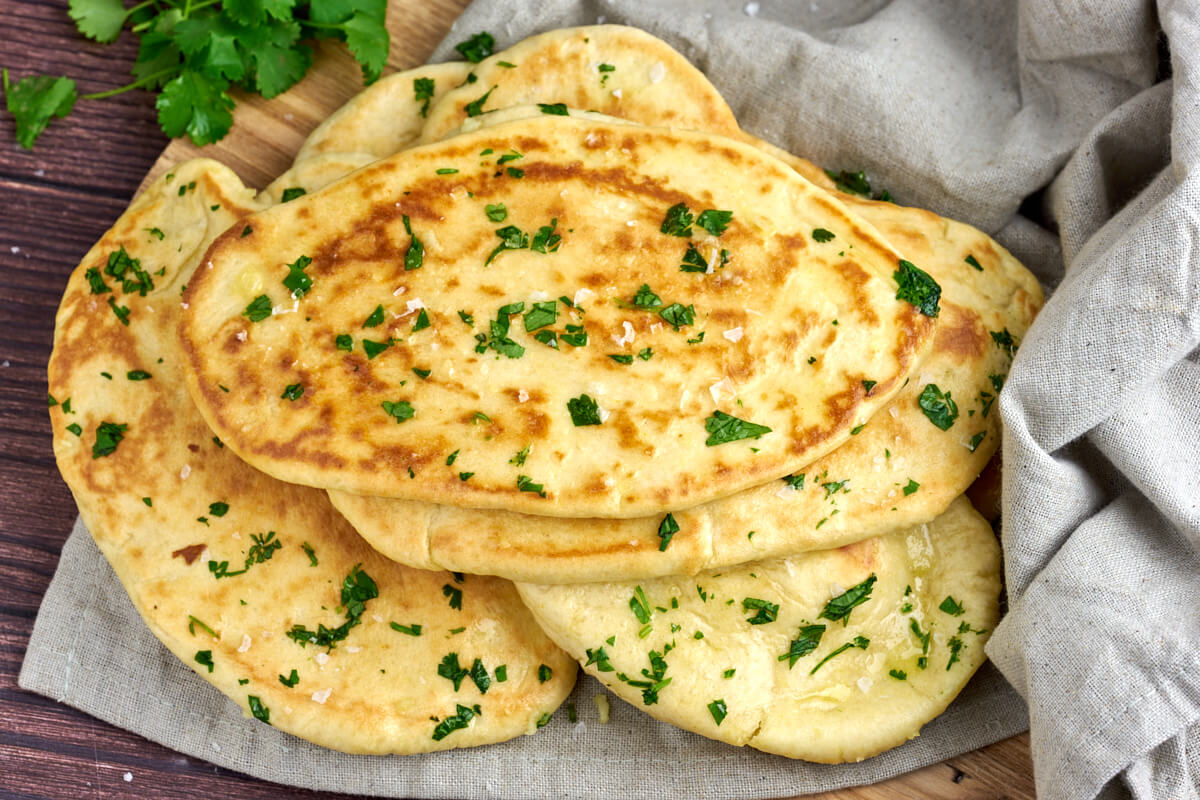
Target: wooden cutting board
x: 266, y: 135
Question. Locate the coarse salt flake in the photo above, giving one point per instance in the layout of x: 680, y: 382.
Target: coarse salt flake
x: 183, y: 473
x: 657, y: 72
x: 895, y: 412
x: 377, y: 618
x: 616, y: 93
x: 627, y: 336
x: 522, y: 396
x: 583, y: 296
x: 865, y: 684
x: 399, y: 291
x: 604, y: 414
x: 322, y: 695
x: 416, y: 304
x: 322, y: 658
x: 241, y: 336
x: 128, y: 777
x: 733, y: 334
x: 246, y: 642
x: 539, y: 296
x: 354, y: 649
x: 719, y: 388
x: 750, y: 9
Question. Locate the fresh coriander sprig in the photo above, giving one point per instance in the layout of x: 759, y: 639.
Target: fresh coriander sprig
x: 192, y: 52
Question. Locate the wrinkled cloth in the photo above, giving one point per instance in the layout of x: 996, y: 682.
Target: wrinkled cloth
x: 1069, y: 132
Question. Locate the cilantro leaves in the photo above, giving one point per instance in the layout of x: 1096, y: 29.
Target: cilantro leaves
x: 584, y: 411
x: 938, y: 406
x: 723, y: 428
x: 357, y: 588
x: 679, y: 220
x: 477, y: 48
x: 839, y: 608
x: 194, y: 53
x: 917, y: 287
x: 108, y: 436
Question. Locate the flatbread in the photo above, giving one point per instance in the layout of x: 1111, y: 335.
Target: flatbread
x: 711, y: 652
x: 313, y: 174
x: 223, y: 562
x: 766, y: 313
x: 385, y: 117
x: 900, y: 469
x: 649, y: 82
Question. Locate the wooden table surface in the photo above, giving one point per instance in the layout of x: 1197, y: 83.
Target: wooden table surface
x: 56, y: 202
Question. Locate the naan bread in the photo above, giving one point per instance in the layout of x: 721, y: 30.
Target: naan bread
x: 224, y: 562
x: 675, y: 430
x: 313, y: 174
x: 387, y: 116
x: 648, y: 82
x: 731, y: 655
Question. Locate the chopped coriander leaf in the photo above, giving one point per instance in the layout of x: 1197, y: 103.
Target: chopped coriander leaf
x: 461, y: 719
x: 479, y: 676
x: 526, y: 484
x: 450, y: 459
x: 584, y: 411
x: 974, y: 262
x: 293, y: 392
x: 956, y: 645
x: 497, y: 337
x: 850, y: 182
x: 646, y: 299
x: 546, y: 240
x: 218, y: 509
x: 822, y: 235
x: 540, y: 315
x: 466, y: 318
x: 465, y: 476
x: 66, y: 406
x: 857, y: 429
x: 506, y: 64
x: 544, y: 719
x: 108, y: 436
x: 310, y: 552
x: 75, y: 428
x: 555, y: 109
x: 193, y: 622
x: 923, y: 637
x: 344, y: 341
x: 860, y: 642
x: 291, y: 680
x: 714, y: 221
x: 357, y: 588
x: 477, y: 48
x: 513, y: 172
x: 805, y: 642
x: 423, y: 92
x: 666, y: 531
x: 412, y: 630
x: 718, y: 710
x: 36, y: 99
x: 475, y: 107
x: 600, y: 659
x: 502, y: 673
x: 1004, y: 340
x: 246, y: 231
x: 455, y: 596
x: 258, y: 309
x: 839, y: 608
x: 639, y: 605
x: 976, y: 440
x: 373, y: 349
x: 898, y: 674
x: 496, y: 212
x: 917, y: 287
x: 479, y: 417
x: 451, y: 670
x: 693, y: 261
x: 911, y: 487
x: 122, y: 312
x: 645, y: 354
x: 544, y: 673
x: 952, y: 607
x: 795, y: 481
x: 512, y: 155
x: 297, y: 281
x: 677, y: 315
x: 605, y: 68
x: 138, y: 375
x: 723, y: 428
x: 729, y: 673
x: 765, y: 611
x: 447, y: 171
x: 292, y: 193
x: 939, y: 407
x: 399, y: 410
x: 868, y: 386
x: 414, y: 256
x: 522, y: 454
x: 511, y: 238
x: 260, y: 712
x: 548, y: 338
x: 678, y: 221
x: 205, y: 659
x: 423, y: 374
x: 260, y: 552
x: 375, y: 318
x: 422, y: 321
x: 96, y: 281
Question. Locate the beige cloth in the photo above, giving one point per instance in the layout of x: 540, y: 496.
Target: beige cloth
x: 970, y: 109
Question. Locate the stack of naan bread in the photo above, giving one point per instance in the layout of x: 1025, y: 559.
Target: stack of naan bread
x: 535, y: 361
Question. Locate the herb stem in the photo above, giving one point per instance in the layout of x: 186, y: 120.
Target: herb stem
x: 120, y: 89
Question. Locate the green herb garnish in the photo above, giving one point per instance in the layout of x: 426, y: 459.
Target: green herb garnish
x: 584, y: 410
x: 939, y: 407
x: 917, y: 287
x: 765, y: 611
x: 805, y: 642
x: 723, y: 428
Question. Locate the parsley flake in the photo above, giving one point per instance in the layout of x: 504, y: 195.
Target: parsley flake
x: 839, y: 608
x: 293, y: 392
x: 477, y: 48
x: 584, y: 411
x: 939, y: 407
x: 555, y: 109
x: 258, y: 309
x: 917, y: 287
x: 805, y: 642
x: 714, y: 221
x: 414, y: 256
x: 666, y: 531
x: 822, y: 235
x: 108, y: 436
x: 399, y: 410
x: 723, y: 428
x: 423, y: 93
x: 859, y: 642
x: 292, y: 193
x: 297, y: 281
